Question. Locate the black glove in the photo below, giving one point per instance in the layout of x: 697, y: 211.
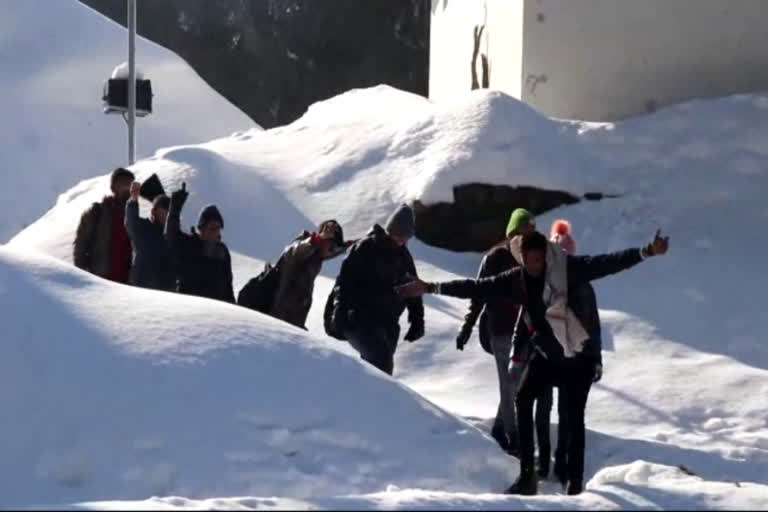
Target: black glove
x: 178, y: 198
x: 415, y: 332
x: 463, y: 336
x: 598, y: 373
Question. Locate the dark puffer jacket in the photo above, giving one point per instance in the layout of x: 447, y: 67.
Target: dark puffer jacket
x: 497, y: 314
x: 152, y: 261
x: 364, y: 292
x: 203, y: 269
x: 92, y: 248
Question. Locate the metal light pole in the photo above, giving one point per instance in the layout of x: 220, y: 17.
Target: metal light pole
x: 131, y: 81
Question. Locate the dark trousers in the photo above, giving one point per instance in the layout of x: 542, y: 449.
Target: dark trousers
x: 574, y: 379
x: 543, y: 415
x: 376, y: 345
x: 572, y: 403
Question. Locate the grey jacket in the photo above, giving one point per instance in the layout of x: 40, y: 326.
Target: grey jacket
x: 152, y: 260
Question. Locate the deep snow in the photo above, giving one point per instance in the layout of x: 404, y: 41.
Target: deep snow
x: 55, y: 58
x: 116, y: 391
x: 685, y: 364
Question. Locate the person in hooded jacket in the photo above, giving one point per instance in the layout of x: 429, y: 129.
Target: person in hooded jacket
x: 152, y: 261
x: 300, y: 263
x: 497, y: 323
x: 102, y: 246
x: 203, y: 263
x: 542, y: 285
x: 366, y: 308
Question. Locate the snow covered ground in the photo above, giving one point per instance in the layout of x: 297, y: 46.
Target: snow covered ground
x: 55, y: 58
x: 679, y: 420
x: 121, y: 392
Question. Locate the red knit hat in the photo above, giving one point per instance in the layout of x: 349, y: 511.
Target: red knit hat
x: 561, y: 235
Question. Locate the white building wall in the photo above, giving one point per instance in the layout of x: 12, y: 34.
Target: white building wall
x: 505, y: 45
x: 603, y: 59
x: 609, y: 59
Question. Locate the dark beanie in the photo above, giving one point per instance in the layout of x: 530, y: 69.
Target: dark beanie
x: 208, y: 214
x: 402, y: 222
x: 118, y: 173
x: 162, y: 201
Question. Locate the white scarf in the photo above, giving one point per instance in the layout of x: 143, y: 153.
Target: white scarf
x: 565, y: 326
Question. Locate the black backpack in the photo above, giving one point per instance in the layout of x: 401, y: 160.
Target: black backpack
x: 259, y: 293
x: 330, y: 328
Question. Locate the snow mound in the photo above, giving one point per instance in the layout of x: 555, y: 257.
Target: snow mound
x: 117, y: 392
x: 55, y: 134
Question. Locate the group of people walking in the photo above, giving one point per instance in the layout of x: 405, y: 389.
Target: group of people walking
x: 115, y: 243
x: 537, y: 311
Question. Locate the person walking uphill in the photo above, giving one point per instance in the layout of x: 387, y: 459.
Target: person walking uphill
x: 203, y: 263
x: 497, y: 324
x: 101, y: 245
x: 152, y: 261
x: 299, y: 266
x: 542, y: 286
x: 365, y: 307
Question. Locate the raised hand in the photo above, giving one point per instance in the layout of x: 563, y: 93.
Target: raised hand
x: 179, y: 197
x: 134, y: 192
x: 659, y: 246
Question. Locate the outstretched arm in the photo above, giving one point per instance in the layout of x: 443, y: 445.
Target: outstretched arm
x: 506, y: 285
x: 582, y: 269
x: 175, y: 237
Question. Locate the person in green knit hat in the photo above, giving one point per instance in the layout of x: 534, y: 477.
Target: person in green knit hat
x: 497, y: 325
x: 521, y: 221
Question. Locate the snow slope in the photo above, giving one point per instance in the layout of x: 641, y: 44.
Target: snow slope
x: 686, y: 366
x: 112, y: 391
x: 55, y: 57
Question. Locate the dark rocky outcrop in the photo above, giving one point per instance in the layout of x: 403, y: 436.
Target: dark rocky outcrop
x: 478, y: 216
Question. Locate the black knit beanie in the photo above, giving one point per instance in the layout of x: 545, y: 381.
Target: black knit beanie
x: 208, y: 214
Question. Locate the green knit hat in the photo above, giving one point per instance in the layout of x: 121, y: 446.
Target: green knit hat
x: 519, y: 218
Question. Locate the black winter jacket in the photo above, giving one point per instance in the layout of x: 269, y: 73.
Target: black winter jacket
x: 365, y: 287
x: 497, y: 315
x: 203, y: 269
x: 152, y: 260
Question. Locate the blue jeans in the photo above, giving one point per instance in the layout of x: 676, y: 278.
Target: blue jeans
x: 376, y: 345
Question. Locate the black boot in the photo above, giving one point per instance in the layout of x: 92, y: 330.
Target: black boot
x: 543, y: 469
x: 561, y: 470
x: 574, y: 487
x: 525, y: 484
